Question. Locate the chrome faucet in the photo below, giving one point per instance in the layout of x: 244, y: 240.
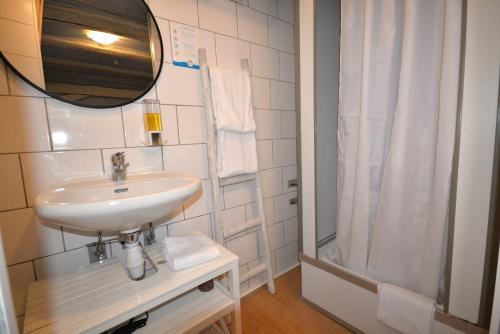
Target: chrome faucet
x: 119, y: 166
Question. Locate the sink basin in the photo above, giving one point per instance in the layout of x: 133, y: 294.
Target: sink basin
x: 100, y: 204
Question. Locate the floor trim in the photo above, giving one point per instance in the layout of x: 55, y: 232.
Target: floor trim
x: 331, y: 316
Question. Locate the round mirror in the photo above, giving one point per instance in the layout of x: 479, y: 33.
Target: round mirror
x: 91, y: 53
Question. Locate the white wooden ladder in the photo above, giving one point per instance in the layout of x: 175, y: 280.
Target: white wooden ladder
x: 259, y: 224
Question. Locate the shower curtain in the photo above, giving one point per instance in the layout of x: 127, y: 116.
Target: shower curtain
x: 397, y: 111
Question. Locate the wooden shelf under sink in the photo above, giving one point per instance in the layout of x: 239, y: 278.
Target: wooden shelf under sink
x: 101, y: 296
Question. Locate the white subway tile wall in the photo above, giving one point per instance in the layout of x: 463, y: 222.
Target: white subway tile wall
x: 44, y: 141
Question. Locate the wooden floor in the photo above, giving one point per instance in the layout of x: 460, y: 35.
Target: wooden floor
x: 284, y: 312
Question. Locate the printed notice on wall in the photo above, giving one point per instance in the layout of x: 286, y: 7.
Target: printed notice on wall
x: 184, y: 45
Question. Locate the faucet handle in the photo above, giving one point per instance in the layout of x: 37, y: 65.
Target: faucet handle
x: 118, y: 158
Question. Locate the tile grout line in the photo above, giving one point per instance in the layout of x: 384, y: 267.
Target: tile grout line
x: 49, y: 128
x: 25, y: 190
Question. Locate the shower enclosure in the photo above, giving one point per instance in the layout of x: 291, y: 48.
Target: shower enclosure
x: 331, y: 280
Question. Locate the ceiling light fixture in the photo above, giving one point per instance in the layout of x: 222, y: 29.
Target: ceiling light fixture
x: 102, y: 37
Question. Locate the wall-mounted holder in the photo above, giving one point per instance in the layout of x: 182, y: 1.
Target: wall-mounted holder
x: 97, y: 250
x: 152, y: 123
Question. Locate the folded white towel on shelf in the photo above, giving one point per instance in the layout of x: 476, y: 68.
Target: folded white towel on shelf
x: 232, y: 100
x: 404, y: 311
x: 236, y: 153
x: 187, y: 251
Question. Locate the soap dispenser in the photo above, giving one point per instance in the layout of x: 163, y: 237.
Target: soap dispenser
x: 152, y: 122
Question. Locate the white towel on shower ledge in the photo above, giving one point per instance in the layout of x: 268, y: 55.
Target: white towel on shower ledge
x: 232, y: 100
x: 404, y: 311
x: 187, y: 251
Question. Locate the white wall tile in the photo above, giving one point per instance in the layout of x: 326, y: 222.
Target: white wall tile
x: 230, y: 51
x: 239, y: 194
x: 245, y: 247
x: 74, y: 128
x: 287, y: 67
x: 267, y: 6
x: 20, y: 39
x: 252, y: 212
x: 265, y: 62
x: 20, y: 10
x: 288, y: 124
x: 25, y: 238
x: 24, y: 125
x: 176, y: 216
x: 75, y: 238
x: 252, y: 25
x: 234, y: 216
x: 19, y: 87
x: 282, y: 95
x: 272, y: 183
x: 286, y: 257
x: 160, y: 233
x: 4, y: 86
x: 29, y: 67
x: 140, y: 159
x: 59, y: 264
x: 275, y: 236
x: 286, y: 10
x: 118, y: 252
x: 201, y: 202
x: 291, y: 230
x: 164, y: 26
x: 189, y: 159
x: 20, y: 277
x: 284, y: 152
x: 281, y: 35
x: 218, y: 16
x: 183, y: 11
x: 265, y: 153
x: 206, y: 40
x: 289, y: 173
x: 201, y: 224
x: 180, y: 85
x: 282, y: 207
x: 268, y: 124
x: 261, y: 93
x: 44, y: 169
x: 192, y: 125
x: 11, y: 183
x: 133, y: 124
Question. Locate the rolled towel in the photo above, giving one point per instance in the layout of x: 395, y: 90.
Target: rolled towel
x: 405, y: 311
x: 187, y: 251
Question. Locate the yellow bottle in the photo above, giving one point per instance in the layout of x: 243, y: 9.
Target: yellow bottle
x: 152, y: 121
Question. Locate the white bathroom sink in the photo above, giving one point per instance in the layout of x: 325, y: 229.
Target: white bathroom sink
x: 100, y: 204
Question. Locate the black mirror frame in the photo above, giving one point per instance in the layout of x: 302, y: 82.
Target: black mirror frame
x: 153, y: 83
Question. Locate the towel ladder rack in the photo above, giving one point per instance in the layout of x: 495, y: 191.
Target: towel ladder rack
x: 222, y: 234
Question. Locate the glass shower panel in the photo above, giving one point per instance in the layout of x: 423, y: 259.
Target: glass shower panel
x: 327, y: 64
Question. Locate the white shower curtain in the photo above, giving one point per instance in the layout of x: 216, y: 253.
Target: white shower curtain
x: 397, y: 111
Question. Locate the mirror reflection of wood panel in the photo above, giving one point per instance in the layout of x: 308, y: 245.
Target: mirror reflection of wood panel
x: 91, y: 53
x: 96, y: 72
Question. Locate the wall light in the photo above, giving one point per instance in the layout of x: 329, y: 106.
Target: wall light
x: 102, y: 37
